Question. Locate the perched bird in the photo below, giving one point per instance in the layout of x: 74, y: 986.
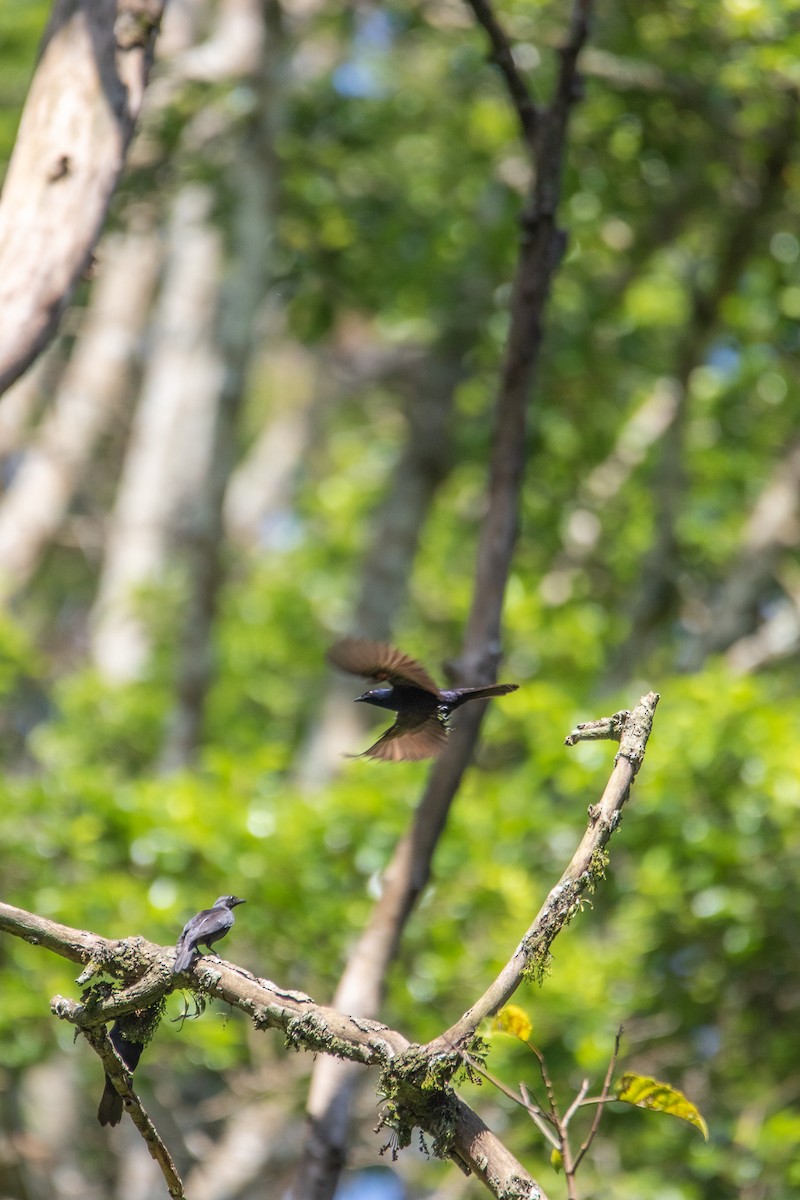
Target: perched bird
x: 420, y: 730
x: 109, y: 1111
x: 204, y: 929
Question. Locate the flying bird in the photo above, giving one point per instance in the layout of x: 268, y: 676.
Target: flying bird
x: 204, y: 929
x: 109, y: 1111
x: 420, y: 729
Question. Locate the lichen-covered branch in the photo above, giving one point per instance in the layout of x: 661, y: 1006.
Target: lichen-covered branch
x: 416, y: 1081
x: 144, y: 972
x: 120, y: 1077
x: 581, y: 876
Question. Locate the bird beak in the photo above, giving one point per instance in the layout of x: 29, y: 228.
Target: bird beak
x: 364, y: 697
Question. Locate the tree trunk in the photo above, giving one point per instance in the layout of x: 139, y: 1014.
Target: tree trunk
x: 78, y: 119
x: 240, y: 298
x: 170, y: 443
x: 93, y: 390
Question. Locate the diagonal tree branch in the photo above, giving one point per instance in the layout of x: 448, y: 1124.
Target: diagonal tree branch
x: 581, y: 876
x: 503, y: 55
x: 120, y: 1077
x: 542, y: 245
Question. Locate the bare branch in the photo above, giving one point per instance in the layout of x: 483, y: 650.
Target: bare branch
x: 120, y: 1077
x: 602, y: 1101
x: 580, y: 1096
x: 580, y: 876
x: 503, y: 56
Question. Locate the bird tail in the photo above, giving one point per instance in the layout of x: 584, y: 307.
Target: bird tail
x: 183, y: 958
x: 482, y: 693
x: 110, y: 1109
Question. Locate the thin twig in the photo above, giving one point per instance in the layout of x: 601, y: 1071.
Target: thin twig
x: 604, y: 1098
x: 503, y: 56
x: 548, y: 1084
x: 534, y: 1110
x: 539, y: 1117
x: 580, y: 1096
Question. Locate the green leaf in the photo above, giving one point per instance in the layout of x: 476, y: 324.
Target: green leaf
x: 646, y: 1092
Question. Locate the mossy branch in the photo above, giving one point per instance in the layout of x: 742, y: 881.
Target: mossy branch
x: 131, y: 974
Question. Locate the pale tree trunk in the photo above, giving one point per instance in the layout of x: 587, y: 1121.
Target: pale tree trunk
x: 657, y: 596
x: 92, y: 393
x: 83, y: 102
x: 170, y: 441
x: 136, y: 1176
x: 262, y: 1136
x: 734, y: 617
x: 240, y: 299
x: 261, y: 489
x: 25, y: 400
x: 52, y: 1123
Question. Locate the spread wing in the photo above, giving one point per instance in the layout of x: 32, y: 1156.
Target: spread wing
x: 404, y: 744
x: 375, y: 660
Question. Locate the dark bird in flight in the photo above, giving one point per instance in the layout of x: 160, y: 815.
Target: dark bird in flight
x: 420, y: 730
x: 204, y: 929
x: 109, y: 1111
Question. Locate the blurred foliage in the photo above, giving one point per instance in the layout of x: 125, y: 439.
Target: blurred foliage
x: 401, y: 186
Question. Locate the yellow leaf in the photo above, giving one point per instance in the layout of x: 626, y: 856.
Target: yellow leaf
x: 514, y: 1020
x: 645, y: 1092
x: 556, y: 1161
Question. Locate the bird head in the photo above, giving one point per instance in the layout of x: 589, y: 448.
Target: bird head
x: 382, y: 697
x: 228, y: 902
